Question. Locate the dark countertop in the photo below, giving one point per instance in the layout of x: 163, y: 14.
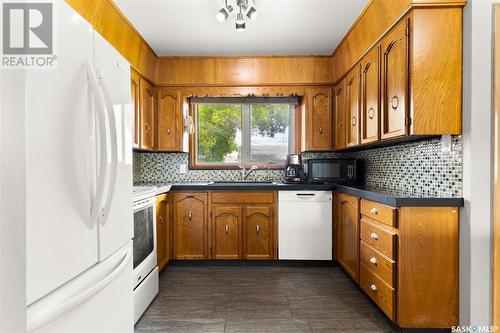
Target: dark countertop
x: 384, y: 196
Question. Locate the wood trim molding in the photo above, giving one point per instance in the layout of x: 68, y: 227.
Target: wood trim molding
x: 110, y: 22
x: 496, y: 166
x: 244, y: 71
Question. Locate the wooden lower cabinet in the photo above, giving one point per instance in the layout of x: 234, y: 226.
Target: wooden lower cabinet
x: 241, y: 225
x: 347, y: 207
x: 190, y: 227
x: 407, y: 259
x: 259, y: 233
x: 163, y: 230
x: 226, y: 232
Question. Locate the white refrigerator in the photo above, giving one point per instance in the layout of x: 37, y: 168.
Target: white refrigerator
x: 79, y: 185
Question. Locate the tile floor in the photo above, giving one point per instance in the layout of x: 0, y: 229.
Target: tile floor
x: 260, y: 299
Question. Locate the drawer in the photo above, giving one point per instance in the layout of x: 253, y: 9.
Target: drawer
x: 379, y: 212
x: 378, y: 263
x: 243, y: 197
x: 380, y: 238
x: 379, y: 291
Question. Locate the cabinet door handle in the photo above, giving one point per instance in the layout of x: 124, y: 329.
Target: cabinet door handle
x: 226, y: 228
x: 190, y: 215
x: 148, y: 127
x: 373, y: 287
x: 321, y: 130
x: 371, y: 113
x: 257, y: 228
x: 374, y: 236
x: 374, y: 211
x: 395, y: 102
x: 161, y: 220
x: 373, y: 260
x: 353, y: 121
x: 168, y: 130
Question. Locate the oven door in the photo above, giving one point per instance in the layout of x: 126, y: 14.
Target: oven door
x: 144, y: 242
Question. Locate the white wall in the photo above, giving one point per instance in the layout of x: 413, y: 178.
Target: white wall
x: 476, y: 216
x: 12, y: 202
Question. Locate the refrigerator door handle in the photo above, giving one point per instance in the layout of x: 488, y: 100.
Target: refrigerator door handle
x: 62, y: 301
x: 114, y: 149
x: 104, y: 163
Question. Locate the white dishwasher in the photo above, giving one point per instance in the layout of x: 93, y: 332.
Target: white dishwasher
x: 305, y: 225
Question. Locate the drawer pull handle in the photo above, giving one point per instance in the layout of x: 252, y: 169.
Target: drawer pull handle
x: 226, y: 229
x: 373, y: 260
x: 373, y: 287
x: 374, y: 211
x: 374, y: 236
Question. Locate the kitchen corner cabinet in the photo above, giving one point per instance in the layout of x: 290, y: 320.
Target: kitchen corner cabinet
x: 134, y: 85
x: 190, y: 225
x: 146, y: 114
x: 347, y: 208
x: 163, y: 229
x: 352, y: 106
x: 370, y: 94
x: 170, y: 120
x: 227, y: 232
x: 318, y: 119
x: 339, y: 135
x: 408, y: 259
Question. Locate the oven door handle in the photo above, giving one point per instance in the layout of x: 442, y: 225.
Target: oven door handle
x: 70, y: 296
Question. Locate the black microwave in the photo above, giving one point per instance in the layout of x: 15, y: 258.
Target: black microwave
x: 336, y: 170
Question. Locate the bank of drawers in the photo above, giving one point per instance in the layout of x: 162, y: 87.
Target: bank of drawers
x: 378, y: 254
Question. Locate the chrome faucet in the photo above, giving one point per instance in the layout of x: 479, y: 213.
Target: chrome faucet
x: 245, y: 173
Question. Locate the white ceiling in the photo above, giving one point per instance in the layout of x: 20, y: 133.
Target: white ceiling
x: 283, y: 27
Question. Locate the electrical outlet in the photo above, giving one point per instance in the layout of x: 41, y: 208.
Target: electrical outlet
x: 183, y: 169
x: 446, y: 143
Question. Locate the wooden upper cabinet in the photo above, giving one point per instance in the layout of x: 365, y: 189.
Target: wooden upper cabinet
x: 319, y: 119
x: 227, y: 235
x: 190, y: 227
x: 134, y: 85
x: 395, y: 82
x: 147, y: 114
x: 259, y: 232
x: 169, y: 129
x: 339, y: 116
x: 352, y: 107
x: 162, y: 230
x: 370, y: 96
x: 348, y: 234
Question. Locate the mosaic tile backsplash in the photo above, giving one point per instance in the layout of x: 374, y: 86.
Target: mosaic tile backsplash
x: 417, y: 168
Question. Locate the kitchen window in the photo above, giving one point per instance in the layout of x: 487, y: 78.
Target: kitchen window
x: 243, y: 130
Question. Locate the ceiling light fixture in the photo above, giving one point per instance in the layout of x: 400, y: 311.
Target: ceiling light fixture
x: 247, y: 8
x: 223, y: 14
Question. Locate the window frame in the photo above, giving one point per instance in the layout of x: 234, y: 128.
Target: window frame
x: 193, y: 149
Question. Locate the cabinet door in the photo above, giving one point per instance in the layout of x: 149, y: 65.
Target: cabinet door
x: 259, y: 232
x: 352, y: 107
x: 226, y: 228
x: 339, y: 115
x: 134, y: 84
x: 162, y: 231
x: 147, y: 116
x: 190, y: 226
x: 348, y: 228
x: 370, y: 79
x: 395, y: 82
x: 320, y: 119
x: 169, y: 119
